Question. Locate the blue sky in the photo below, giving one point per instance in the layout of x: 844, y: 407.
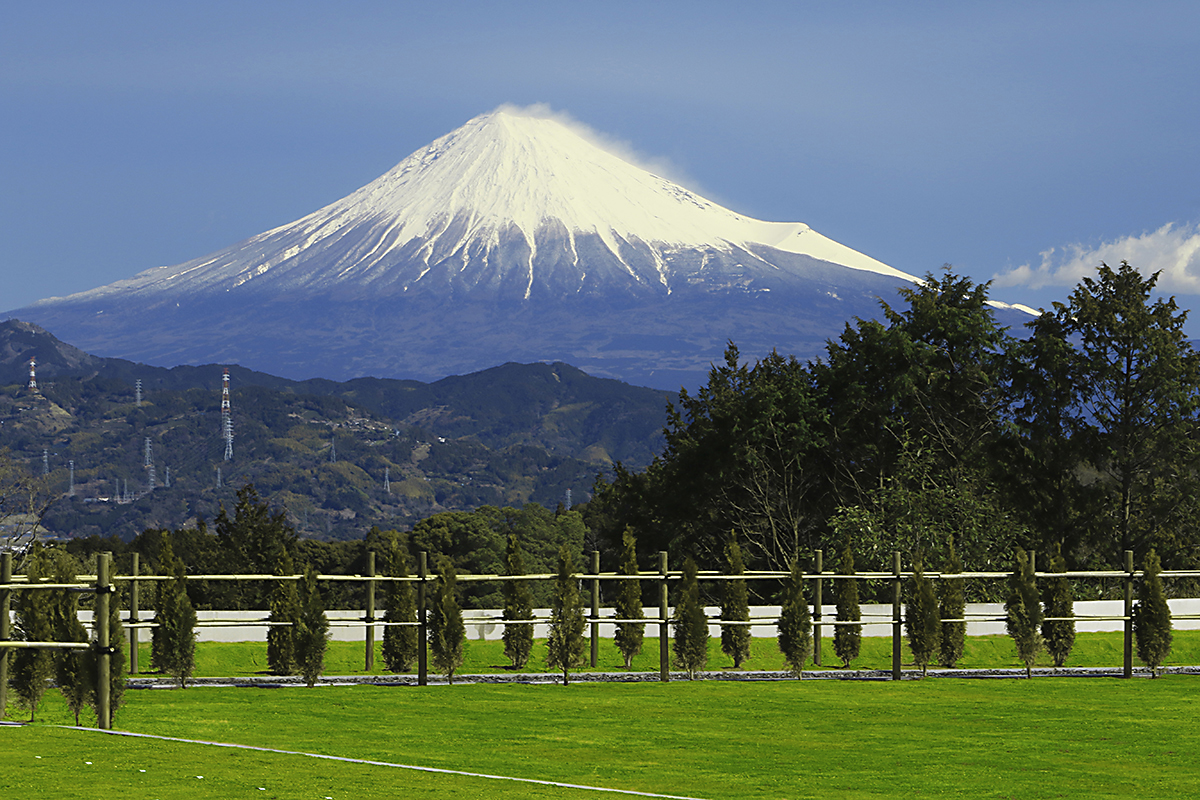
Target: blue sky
x: 1026, y: 141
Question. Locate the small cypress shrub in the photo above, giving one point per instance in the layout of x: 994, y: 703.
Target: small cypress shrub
x: 177, y: 627
x: 847, y: 638
x: 564, y: 646
x: 31, y: 669
x: 952, y: 604
x: 735, y: 607
x: 312, y: 629
x: 921, y: 620
x: 690, y: 625
x: 629, y: 635
x: 285, y: 608
x: 447, y: 633
x: 400, y: 641
x: 1059, y: 602
x: 1023, y: 610
x: 1152, y: 617
x: 518, y: 606
x: 795, y: 622
x: 70, y: 666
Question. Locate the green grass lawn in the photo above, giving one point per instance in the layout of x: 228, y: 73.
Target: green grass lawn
x: 1049, y: 737
x: 217, y: 659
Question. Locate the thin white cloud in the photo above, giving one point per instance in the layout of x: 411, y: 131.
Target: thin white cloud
x: 1173, y: 250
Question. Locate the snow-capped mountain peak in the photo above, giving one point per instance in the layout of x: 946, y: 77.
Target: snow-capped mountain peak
x: 516, y: 201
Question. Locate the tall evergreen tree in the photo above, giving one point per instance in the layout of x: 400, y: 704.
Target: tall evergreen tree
x: 1152, y: 617
x: 447, y: 633
x: 921, y: 619
x: 32, y: 669
x: 735, y: 607
x: 847, y: 638
x: 400, y: 642
x: 795, y: 622
x: 1023, y: 610
x: 565, y: 644
x: 1139, y: 381
x: 690, y: 625
x: 177, y: 627
x: 285, y: 609
x: 1059, y: 634
x: 952, y: 604
x: 629, y: 635
x: 164, y: 564
x: 518, y: 607
x: 312, y: 629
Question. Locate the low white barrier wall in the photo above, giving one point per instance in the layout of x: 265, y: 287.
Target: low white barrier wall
x: 483, y: 624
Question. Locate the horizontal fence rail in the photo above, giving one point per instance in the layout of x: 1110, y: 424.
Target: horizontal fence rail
x: 102, y: 585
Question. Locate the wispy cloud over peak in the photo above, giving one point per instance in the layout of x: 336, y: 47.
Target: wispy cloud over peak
x: 1173, y: 250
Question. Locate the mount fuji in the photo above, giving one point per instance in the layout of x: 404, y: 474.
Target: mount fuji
x: 513, y: 238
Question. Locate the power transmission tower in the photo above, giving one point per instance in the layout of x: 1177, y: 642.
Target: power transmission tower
x: 71, y: 486
x: 32, y: 374
x: 387, y: 484
x: 137, y: 388
x: 167, y: 477
x: 226, y: 417
x: 332, y: 448
x: 45, y: 461
x: 218, y: 477
x: 148, y: 458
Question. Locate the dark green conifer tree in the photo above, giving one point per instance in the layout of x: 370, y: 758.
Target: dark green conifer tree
x: 795, y: 622
x: 1059, y: 634
x: 629, y: 635
x: 921, y: 620
x: 952, y: 604
x: 70, y: 666
x: 177, y: 627
x: 735, y: 607
x: 285, y: 609
x: 446, y: 630
x: 312, y: 629
x: 690, y: 625
x: 847, y: 638
x: 565, y: 645
x: 518, y: 607
x: 400, y: 641
x: 1152, y: 617
x: 31, y: 669
x: 1023, y: 610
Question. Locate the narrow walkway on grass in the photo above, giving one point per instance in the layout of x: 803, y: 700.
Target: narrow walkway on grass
x: 382, y: 763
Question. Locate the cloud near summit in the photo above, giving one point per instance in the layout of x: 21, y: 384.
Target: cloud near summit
x: 1173, y: 250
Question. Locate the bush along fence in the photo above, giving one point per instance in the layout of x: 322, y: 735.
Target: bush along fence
x: 927, y: 609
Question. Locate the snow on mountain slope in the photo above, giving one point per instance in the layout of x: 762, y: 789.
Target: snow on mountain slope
x: 513, y: 201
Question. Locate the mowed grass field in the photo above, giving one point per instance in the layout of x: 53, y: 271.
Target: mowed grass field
x: 1048, y: 737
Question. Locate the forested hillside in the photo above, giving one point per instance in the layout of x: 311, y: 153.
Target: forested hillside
x: 338, y: 457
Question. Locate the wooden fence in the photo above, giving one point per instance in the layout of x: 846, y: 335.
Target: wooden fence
x: 102, y: 585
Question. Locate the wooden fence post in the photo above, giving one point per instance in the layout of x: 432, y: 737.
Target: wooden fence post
x: 422, y: 653
x: 134, y: 614
x: 817, y: 610
x: 1128, y: 671
x: 103, y: 642
x: 664, y: 645
x: 370, y: 637
x: 5, y: 603
x: 896, y: 627
x: 595, y: 607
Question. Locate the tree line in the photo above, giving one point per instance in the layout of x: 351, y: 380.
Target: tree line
x: 940, y: 433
